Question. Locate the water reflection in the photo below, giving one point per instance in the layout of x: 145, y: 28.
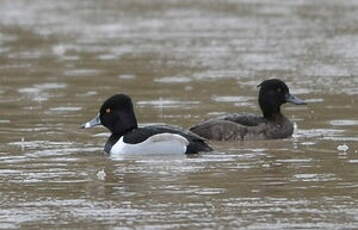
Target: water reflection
x: 167, y: 103
x: 182, y: 62
x: 343, y: 122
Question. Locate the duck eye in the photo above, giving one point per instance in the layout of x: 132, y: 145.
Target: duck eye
x: 279, y: 90
x: 108, y: 110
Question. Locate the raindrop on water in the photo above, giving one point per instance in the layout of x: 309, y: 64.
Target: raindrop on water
x: 101, y: 175
x: 343, y: 147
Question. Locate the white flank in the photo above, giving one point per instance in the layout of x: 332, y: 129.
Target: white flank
x: 163, y: 143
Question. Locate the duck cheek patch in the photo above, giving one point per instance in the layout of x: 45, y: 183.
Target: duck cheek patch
x: 108, y: 110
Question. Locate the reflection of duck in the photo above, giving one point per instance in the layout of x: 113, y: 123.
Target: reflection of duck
x: 273, y: 125
x: 118, y: 116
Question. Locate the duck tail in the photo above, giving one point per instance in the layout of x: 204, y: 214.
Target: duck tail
x: 199, y: 146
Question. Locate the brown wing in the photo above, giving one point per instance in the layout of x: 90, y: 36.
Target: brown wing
x: 230, y: 127
x: 220, y: 130
x: 245, y: 119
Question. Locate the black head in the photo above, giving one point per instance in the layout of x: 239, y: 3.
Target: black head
x: 273, y: 93
x: 116, y: 114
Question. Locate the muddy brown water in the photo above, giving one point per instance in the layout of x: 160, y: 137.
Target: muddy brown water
x: 181, y: 62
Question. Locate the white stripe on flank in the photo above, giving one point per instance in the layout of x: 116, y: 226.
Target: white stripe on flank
x: 163, y: 143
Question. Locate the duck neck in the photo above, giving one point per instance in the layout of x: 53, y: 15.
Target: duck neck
x: 272, y: 113
x: 269, y: 107
x: 126, y: 123
x: 274, y: 117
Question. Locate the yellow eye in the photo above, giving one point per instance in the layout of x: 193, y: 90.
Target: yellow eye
x: 108, y: 110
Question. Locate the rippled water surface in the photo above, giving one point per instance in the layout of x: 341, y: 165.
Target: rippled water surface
x: 181, y: 62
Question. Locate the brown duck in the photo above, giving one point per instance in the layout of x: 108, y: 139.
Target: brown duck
x: 242, y: 126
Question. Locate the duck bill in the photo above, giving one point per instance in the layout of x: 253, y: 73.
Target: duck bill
x: 294, y: 100
x: 94, y: 122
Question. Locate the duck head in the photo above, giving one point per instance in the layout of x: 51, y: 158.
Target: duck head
x: 116, y: 114
x: 274, y: 93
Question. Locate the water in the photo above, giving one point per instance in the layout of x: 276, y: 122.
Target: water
x: 181, y: 62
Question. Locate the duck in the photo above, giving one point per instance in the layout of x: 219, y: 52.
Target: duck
x: 245, y: 126
x: 117, y: 115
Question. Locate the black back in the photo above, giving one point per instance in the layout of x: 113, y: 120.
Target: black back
x: 135, y: 136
